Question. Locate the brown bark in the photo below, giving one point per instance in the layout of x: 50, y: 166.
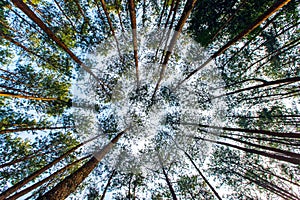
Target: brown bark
x: 34, y: 175
x: 264, y: 132
x: 108, y: 184
x: 52, y: 176
x: 33, y: 129
x: 274, y: 8
x: 23, y: 7
x: 12, y: 95
x: 184, y: 16
x: 167, y: 178
x: 134, y: 36
x: 162, y: 13
x: 267, y: 83
x: 202, y: 176
x: 111, y: 27
x: 254, y: 151
x: 63, y: 189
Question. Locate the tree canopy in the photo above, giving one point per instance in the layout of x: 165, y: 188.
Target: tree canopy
x: 158, y: 99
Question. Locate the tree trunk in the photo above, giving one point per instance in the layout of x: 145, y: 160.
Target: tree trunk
x: 199, y: 171
x: 108, y: 184
x: 12, y: 95
x: 186, y: 12
x: 167, y: 178
x: 264, y: 132
x: 23, y: 7
x: 63, y: 189
x: 162, y: 13
x: 134, y: 36
x: 34, y: 175
x: 52, y: 176
x: 276, y: 6
x: 33, y: 129
x: 254, y: 151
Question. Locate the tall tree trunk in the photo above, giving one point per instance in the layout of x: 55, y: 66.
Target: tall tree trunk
x: 162, y: 13
x: 134, y: 36
x: 23, y: 7
x: 167, y: 178
x: 63, y: 189
x: 186, y: 13
x: 264, y: 132
x: 33, y: 129
x: 52, y: 176
x: 199, y: 171
x: 108, y: 184
x: 254, y: 151
x: 12, y: 95
x: 34, y: 175
x: 111, y: 27
x: 276, y: 6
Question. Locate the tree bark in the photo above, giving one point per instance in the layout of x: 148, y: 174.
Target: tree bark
x: 108, y: 184
x: 274, y: 8
x: 63, y: 189
x: 264, y: 132
x: 12, y: 95
x: 186, y: 13
x: 134, y: 36
x: 167, y: 178
x: 34, y: 175
x: 52, y: 176
x: 23, y: 7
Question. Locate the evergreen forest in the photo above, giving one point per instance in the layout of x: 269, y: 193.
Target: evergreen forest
x: 150, y: 99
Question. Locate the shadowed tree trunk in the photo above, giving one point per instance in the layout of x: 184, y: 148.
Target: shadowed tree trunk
x: 31, y: 177
x: 23, y: 7
x: 184, y: 16
x: 52, y: 176
x: 108, y: 184
x: 63, y: 189
x: 276, y: 6
x: 134, y: 36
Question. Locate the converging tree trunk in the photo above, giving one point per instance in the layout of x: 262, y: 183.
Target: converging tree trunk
x: 63, y: 189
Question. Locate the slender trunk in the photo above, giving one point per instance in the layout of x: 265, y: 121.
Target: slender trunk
x: 111, y: 27
x: 119, y: 15
x: 276, y: 6
x: 108, y: 184
x: 52, y: 176
x: 8, y: 94
x: 199, y: 171
x: 33, y: 129
x: 66, y: 16
x: 186, y: 12
x: 34, y: 175
x: 23, y: 7
x: 254, y: 151
x: 279, y: 151
x: 129, y: 186
x: 8, y: 38
x: 162, y: 13
x: 16, y: 90
x: 30, y: 156
x: 267, y: 83
x: 134, y: 36
x: 264, y: 132
x: 167, y: 178
x: 63, y: 189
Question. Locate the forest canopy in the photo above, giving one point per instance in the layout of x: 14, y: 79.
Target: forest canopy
x: 158, y: 99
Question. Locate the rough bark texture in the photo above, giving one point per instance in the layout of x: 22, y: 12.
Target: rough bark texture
x: 69, y: 184
x: 63, y: 189
x: 34, y: 186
